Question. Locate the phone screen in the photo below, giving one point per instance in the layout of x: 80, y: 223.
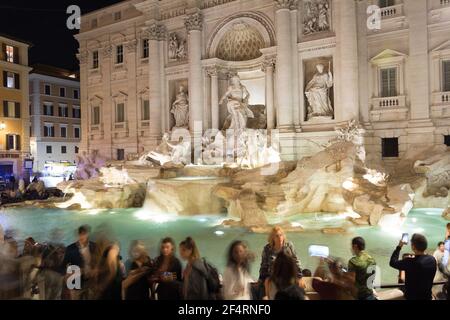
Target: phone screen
x: 405, y: 238
x: 319, y: 251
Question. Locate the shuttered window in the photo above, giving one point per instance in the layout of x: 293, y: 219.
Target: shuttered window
x: 386, y: 3
x: 11, y: 109
x: 120, y: 113
x: 388, y: 82
x: 12, y: 142
x: 96, y: 115
x: 446, y: 75
x: 145, y: 110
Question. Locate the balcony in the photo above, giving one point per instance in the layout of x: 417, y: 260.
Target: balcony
x: 389, y: 109
x: 441, y: 105
x: 392, y: 11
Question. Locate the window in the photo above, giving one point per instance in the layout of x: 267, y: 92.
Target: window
x: 11, y: 109
x: 117, y: 15
x: 446, y: 75
x: 76, y: 112
x: 49, y: 149
x: 12, y: 142
x: 63, y: 111
x: 388, y: 82
x: 96, y: 115
x: 77, y: 150
x: 145, y: 110
x: 63, y: 131
x: 120, y: 113
x: 447, y: 140
x: 119, y: 54
x: 62, y: 92
x: 76, y: 94
x: 95, y: 60
x: 120, y: 154
x: 11, y: 54
x: 94, y: 23
x: 76, y: 132
x: 145, y: 48
x: 11, y: 80
x: 49, y: 130
x: 63, y: 149
x: 386, y: 3
x: 48, y: 90
x: 48, y: 109
x: 390, y: 147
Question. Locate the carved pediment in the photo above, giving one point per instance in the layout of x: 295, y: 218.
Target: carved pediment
x: 120, y: 96
x: 388, y: 55
x: 96, y: 100
x: 442, y: 47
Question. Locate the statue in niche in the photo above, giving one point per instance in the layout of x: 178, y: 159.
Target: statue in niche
x: 318, y: 94
x: 237, y: 97
x: 180, y: 109
x: 316, y: 16
x: 177, y: 48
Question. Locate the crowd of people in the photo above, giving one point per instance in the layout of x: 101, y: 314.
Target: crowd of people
x: 95, y: 270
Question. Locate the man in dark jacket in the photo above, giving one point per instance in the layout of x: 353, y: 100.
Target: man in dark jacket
x: 419, y: 269
x: 81, y: 254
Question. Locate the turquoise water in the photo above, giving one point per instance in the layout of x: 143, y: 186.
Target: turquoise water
x: 213, y: 239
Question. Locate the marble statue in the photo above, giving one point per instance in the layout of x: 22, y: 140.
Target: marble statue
x: 317, y: 92
x: 180, y: 109
x: 316, y: 16
x: 179, y: 153
x: 213, y: 149
x: 177, y: 48
x: 88, y: 166
x: 237, y: 98
x: 252, y: 150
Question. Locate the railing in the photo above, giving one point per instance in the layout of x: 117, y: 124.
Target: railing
x: 389, y: 102
x: 392, y: 11
x: 120, y: 125
x: 441, y: 98
x: 445, y: 2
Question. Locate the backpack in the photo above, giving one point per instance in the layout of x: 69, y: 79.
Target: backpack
x: 212, y: 280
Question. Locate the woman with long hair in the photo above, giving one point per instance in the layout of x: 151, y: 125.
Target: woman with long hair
x: 167, y: 275
x: 195, y: 286
x: 237, y: 278
x: 136, y: 286
x: 110, y: 275
x: 284, y: 275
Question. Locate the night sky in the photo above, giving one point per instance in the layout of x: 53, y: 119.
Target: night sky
x: 43, y: 23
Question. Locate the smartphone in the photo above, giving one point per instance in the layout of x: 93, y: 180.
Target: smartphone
x: 319, y: 251
x: 405, y: 238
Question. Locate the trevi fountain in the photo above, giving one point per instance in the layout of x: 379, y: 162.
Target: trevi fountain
x: 233, y: 184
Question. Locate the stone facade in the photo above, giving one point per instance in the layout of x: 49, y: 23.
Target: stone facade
x: 390, y: 73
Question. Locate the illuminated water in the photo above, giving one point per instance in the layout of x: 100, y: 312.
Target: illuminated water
x: 132, y: 224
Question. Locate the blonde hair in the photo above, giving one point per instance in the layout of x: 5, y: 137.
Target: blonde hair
x: 272, y: 234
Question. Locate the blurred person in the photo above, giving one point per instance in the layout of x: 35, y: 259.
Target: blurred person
x: 362, y: 268
x: 195, y: 285
x: 447, y: 232
x: 306, y: 273
x: 420, y: 269
x: 292, y: 293
x: 332, y: 280
x: 83, y: 255
x: 284, y: 275
x: 277, y: 242
x: 136, y: 286
x: 168, y: 272
x: 237, y: 278
x: 110, y: 276
x: 438, y: 290
x: 52, y: 271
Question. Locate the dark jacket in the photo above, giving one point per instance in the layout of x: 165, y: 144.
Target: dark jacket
x: 73, y: 256
x: 268, y: 257
x: 170, y: 290
x: 419, y: 274
x: 196, y: 287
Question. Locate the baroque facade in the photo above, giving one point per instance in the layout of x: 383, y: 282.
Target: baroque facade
x: 312, y: 64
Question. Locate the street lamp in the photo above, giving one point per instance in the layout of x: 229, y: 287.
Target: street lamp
x: 2, y: 126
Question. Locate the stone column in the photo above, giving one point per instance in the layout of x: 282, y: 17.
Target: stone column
x: 268, y: 68
x: 155, y: 33
x: 107, y: 109
x: 348, y: 59
x: 212, y: 72
x: 295, y: 71
x: 284, y: 65
x: 132, y: 117
x: 194, y: 25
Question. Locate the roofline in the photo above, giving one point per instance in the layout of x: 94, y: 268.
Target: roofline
x: 4, y: 35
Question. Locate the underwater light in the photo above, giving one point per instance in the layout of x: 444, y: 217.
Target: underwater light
x: 219, y: 233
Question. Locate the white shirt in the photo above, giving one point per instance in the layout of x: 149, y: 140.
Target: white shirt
x: 233, y: 280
